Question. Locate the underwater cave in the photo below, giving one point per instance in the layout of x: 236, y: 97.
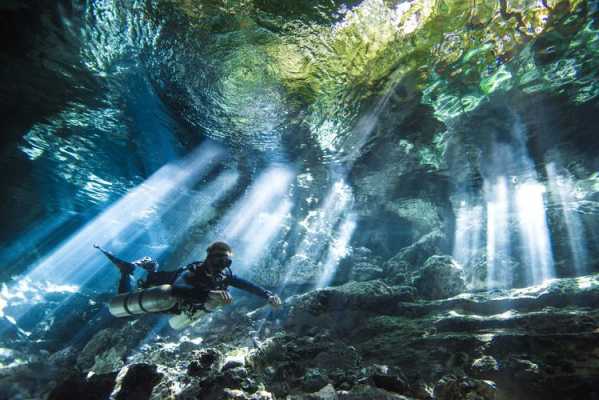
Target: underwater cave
x: 302, y: 200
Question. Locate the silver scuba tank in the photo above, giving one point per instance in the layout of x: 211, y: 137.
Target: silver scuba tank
x: 151, y: 300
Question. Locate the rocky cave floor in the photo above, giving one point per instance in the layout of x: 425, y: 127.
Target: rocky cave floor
x: 360, y: 340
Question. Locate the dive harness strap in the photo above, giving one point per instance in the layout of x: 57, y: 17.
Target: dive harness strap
x: 140, y: 294
x: 140, y: 302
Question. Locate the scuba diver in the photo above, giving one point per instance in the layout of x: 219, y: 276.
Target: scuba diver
x: 188, y: 292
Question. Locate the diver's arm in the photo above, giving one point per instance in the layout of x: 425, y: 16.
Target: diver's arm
x: 248, y: 286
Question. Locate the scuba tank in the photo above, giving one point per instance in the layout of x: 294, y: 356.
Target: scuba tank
x: 152, y: 300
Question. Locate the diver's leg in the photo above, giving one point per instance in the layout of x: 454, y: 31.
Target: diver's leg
x: 124, y: 283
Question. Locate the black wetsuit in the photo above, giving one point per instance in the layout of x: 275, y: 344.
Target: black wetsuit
x: 194, y: 283
x: 191, y: 282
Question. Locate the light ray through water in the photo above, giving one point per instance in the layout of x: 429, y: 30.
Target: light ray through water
x: 564, y: 187
x: 76, y: 261
x: 338, y: 249
x: 197, y: 207
x: 534, y: 232
x: 515, y: 216
x: 254, y: 220
x: 35, y: 238
x: 319, y: 228
x: 468, y: 237
x: 320, y: 225
x: 498, y: 242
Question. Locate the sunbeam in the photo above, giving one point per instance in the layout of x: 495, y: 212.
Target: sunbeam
x: 319, y: 226
x: 563, y: 187
x: 337, y: 250
x: 256, y: 218
x: 196, y: 208
x: 497, y: 231
x: 468, y: 235
x: 76, y: 262
x: 534, y: 233
x: 30, y: 242
x: 259, y: 235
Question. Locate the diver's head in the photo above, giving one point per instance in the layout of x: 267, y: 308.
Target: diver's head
x: 218, y: 257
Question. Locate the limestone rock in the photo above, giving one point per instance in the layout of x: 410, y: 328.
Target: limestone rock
x: 107, y: 349
x: 368, y: 392
x: 314, y: 380
x: 326, y: 393
x: 66, y: 357
x: 399, y: 268
x: 508, y: 273
x: 204, y: 361
x: 339, y: 307
x: 464, y: 388
x: 9, y: 331
x: 440, y: 278
x: 485, y: 366
x: 390, y: 379
x: 135, y: 382
x: 77, y: 386
x: 365, y: 271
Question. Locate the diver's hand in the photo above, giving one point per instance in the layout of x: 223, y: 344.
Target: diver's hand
x: 220, y: 297
x: 96, y: 246
x: 274, y: 301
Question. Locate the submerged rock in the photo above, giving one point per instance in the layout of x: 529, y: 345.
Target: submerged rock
x: 203, y: 361
x: 358, y: 340
x: 326, y: 393
x: 440, y: 277
x: 77, y: 386
x: 339, y: 307
x: 368, y: 392
x: 399, y: 268
x: 390, y: 379
x: 107, y: 350
x: 485, y: 366
x: 135, y: 382
x: 314, y: 380
x: 464, y: 388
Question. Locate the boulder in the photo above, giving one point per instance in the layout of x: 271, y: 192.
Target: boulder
x: 66, y: 357
x: 440, y: 278
x: 314, y: 380
x: 464, y: 388
x: 390, y: 379
x: 135, y: 382
x: 341, y: 307
x: 399, y: 268
x: 365, y: 271
x: 326, y: 393
x: 203, y: 361
x: 77, y: 386
x: 485, y: 366
x: 107, y: 350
